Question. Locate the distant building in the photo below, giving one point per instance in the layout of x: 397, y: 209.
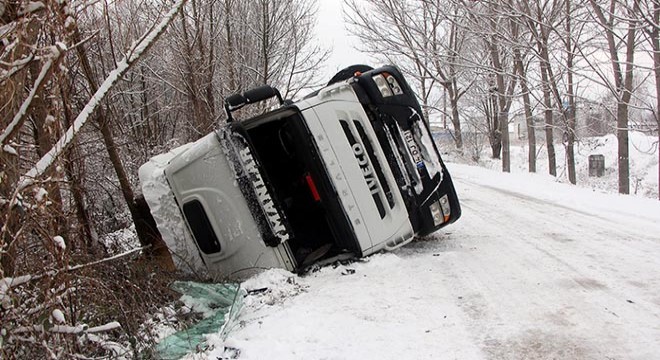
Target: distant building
x: 518, y: 127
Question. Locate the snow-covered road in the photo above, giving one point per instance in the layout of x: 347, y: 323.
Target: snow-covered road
x: 533, y: 270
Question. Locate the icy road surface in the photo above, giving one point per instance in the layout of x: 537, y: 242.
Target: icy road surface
x: 533, y: 270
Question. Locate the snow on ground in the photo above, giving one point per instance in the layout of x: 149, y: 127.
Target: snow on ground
x: 534, y: 269
x: 643, y: 162
x: 121, y: 241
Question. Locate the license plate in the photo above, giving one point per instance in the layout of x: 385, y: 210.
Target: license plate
x: 413, y: 148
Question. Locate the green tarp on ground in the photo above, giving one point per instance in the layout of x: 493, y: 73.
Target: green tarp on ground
x: 224, y: 301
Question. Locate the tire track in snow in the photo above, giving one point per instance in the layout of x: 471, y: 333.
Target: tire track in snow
x: 518, y: 277
x: 581, y: 279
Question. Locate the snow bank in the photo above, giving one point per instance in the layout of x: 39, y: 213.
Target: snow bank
x: 271, y: 287
x: 643, y: 162
x: 545, y: 187
x: 351, y: 311
x: 121, y: 241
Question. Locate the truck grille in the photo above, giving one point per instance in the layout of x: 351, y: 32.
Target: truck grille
x: 372, y: 170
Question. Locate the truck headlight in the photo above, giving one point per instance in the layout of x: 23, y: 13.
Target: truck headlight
x: 444, y: 205
x: 394, y: 85
x: 383, y: 85
x: 387, y: 84
x: 440, y: 210
x: 436, y: 213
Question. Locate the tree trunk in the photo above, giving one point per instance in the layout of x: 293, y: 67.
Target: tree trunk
x: 501, y: 111
x: 656, y: 59
x: 623, y: 84
x: 444, y: 108
x: 265, y: 41
x: 549, y: 122
x: 10, y: 225
x: 455, y: 119
x: 210, y: 88
x: 45, y: 139
x: 655, y: 45
x: 147, y: 235
x: 622, y: 139
x: 570, y: 112
x: 570, y: 152
x: 90, y: 236
x: 454, y: 93
x: 529, y: 119
x: 552, y: 89
x: 494, y: 137
x: 623, y: 111
x: 506, y: 149
x: 496, y: 146
x: 11, y: 96
x: 230, y: 48
x: 505, y: 92
x: 193, y: 78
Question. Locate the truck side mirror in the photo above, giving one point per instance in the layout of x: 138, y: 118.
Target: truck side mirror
x: 261, y: 93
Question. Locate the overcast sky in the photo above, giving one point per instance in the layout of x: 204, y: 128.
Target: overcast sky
x: 332, y: 34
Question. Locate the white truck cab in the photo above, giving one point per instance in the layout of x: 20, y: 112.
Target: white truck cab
x: 348, y: 171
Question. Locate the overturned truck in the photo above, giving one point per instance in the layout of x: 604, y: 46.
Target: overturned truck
x: 348, y: 171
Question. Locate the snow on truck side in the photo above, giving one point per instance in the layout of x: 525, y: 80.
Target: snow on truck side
x: 346, y: 172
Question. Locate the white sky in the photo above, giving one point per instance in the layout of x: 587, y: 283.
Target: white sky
x: 331, y: 33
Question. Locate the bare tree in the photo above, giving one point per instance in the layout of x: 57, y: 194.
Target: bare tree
x: 492, y: 21
x: 63, y: 64
x: 27, y: 63
x: 38, y: 41
x: 544, y: 21
x: 610, y: 17
x: 521, y: 70
x: 283, y: 33
x: 425, y: 39
x: 649, y: 12
x: 569, y: 112
x: 541, y: 21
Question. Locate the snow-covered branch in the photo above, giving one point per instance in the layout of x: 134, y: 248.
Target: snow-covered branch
x: 6, y: 284
x: 136, y: 51
x: 68, y: 329
x: 14, y: 125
